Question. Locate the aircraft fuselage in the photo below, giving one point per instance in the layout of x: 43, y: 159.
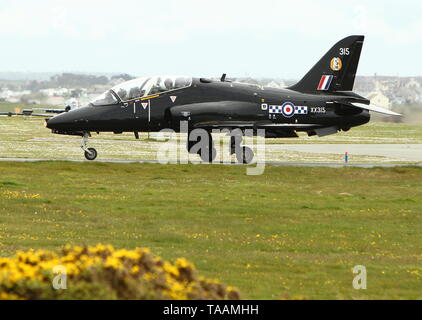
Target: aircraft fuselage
x: 209, y: 103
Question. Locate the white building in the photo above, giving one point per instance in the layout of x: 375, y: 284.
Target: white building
x: 13, y: 96
x: 55, y: 101
x: 274, y: 84
x: 379, y: 99
x: 412, y: 84
x: 55, y: 92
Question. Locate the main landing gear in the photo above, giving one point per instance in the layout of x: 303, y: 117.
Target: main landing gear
x: 244, y: 154
x: 90, y: 153
x: 209, y: 153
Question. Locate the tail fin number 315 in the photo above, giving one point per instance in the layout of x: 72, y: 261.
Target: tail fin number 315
x: 344, y: 51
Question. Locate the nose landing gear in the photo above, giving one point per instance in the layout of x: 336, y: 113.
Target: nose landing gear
x: 90, y: 153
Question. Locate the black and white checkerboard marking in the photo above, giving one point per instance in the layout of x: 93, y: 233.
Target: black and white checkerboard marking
x: 278, y: 109
x: 301, y: 110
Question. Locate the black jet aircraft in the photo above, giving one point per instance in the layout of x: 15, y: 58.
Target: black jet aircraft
x: 321, y: 103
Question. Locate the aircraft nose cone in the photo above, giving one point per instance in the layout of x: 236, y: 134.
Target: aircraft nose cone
x: 75, y: 120
x: 54, y: 123
x: 62, y: 121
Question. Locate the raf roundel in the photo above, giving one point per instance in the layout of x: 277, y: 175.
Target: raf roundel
x: 288, y: 109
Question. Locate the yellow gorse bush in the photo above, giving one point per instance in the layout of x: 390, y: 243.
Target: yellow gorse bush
x: 102, y: 272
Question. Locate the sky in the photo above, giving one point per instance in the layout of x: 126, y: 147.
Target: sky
x: 260, y: 38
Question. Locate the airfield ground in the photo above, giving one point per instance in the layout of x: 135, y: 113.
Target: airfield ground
x: 28, y: 138
x: 291, y: 232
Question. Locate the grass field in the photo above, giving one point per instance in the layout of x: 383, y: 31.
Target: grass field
x: 291, y: 232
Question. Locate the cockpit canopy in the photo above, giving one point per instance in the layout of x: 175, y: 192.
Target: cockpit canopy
x: 141, y: 87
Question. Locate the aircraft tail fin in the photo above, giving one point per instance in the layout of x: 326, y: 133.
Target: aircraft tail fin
x: 336, y: 70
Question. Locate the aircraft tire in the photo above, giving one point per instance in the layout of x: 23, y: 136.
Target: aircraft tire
x: 91, y: 155
x: 208, y: 156
x: 246, y: 155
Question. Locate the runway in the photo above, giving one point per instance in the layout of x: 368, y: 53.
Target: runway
x: 331, y: 155
x: 404, y: 152
x: 269, y: 163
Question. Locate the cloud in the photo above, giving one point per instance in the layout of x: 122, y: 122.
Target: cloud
x: 117, y: 34
x: 403, y: 32
x: 184, y: 19
x: 165, y: 20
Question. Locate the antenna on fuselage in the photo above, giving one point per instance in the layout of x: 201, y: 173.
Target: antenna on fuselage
x: 223, y: 77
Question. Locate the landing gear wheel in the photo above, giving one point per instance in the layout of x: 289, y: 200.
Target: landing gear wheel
x: 246, y: 155
x: 207, y: 156
x: 91, y: 154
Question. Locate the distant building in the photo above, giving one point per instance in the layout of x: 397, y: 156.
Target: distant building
x: 412, y: 84
x: 274, y: 84
x: 379, y: 99
x: 115, y: 81
x: 381, y: 86
x: 52, y: 92
x: 55, y: 101
x: 364, y: 85
x: 13, y: 96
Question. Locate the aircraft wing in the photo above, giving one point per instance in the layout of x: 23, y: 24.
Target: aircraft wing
x: 374, y: 109
x: 54, y: 110
x: 9, y: 114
